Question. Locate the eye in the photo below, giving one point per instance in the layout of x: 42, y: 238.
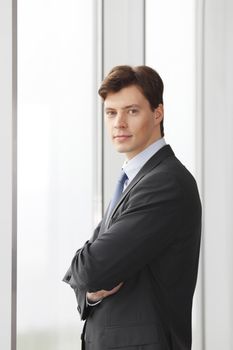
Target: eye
x: 133, y: 111
x: 110, y: 114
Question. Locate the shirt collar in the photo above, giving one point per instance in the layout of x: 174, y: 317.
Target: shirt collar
x: 131, y: 167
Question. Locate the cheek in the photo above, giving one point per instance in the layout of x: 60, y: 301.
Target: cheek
x: 144, y: 128
x: 108, y: 126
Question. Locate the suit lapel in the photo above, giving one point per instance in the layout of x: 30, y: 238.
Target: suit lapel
x: 104, y: 221
x: 154, y: 161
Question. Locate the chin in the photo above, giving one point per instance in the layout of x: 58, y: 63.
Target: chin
x: 121, y: 150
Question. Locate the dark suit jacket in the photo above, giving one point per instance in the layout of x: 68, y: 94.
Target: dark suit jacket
x: 151, y: 242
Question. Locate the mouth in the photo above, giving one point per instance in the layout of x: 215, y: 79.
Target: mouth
x: 121, y: 137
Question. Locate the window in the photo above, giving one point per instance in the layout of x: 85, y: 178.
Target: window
x: 56, y: 99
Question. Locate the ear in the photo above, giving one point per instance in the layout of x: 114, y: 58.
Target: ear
x: 159, y: 113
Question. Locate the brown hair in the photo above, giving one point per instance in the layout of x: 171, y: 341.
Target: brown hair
x: 146, y: 78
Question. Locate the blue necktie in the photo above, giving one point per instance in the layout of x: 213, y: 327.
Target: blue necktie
x: 118, y: 191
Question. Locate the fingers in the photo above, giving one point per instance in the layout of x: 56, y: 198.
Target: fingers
x: 115, y: 289
x: 95, y: 296
x: 103, y: 293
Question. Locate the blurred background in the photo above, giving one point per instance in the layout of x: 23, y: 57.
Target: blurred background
x: 58, y: 168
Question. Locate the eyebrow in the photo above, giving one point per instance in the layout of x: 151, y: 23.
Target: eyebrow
x: 126, y: 107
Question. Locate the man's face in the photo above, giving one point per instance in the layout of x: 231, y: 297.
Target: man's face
x: 132, y: 125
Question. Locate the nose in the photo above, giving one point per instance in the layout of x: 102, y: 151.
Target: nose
x: 120, y: 120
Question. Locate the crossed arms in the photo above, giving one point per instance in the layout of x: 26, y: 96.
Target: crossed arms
x: 152, y: 214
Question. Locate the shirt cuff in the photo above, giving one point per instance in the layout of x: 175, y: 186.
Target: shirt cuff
x: 90, y: 303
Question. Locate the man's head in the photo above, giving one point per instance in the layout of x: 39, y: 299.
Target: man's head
x: 133, y: 104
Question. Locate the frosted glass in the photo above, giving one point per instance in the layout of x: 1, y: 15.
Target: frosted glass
x: 55, y: 165
x: 170, y: 49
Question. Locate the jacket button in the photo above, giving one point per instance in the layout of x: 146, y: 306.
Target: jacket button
x: 79, y: 309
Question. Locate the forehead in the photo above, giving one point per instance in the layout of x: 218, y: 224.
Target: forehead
x: 130, y: 95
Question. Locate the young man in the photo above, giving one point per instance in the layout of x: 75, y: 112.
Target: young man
x: 135, y: 278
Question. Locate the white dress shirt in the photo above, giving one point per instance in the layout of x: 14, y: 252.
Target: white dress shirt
x: 131, y: 167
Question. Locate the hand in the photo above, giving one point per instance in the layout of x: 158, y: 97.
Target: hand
x: 101, y: 294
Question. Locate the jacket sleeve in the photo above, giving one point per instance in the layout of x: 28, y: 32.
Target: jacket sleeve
x: 80, y: 293
x: 147, y: 225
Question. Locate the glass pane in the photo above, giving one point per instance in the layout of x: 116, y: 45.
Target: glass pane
x: 55, y: 165
x: 170, y: 49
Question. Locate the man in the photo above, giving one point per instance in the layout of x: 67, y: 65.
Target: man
x: 135, y: 278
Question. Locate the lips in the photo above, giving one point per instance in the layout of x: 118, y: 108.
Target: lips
x: 121, y: 136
